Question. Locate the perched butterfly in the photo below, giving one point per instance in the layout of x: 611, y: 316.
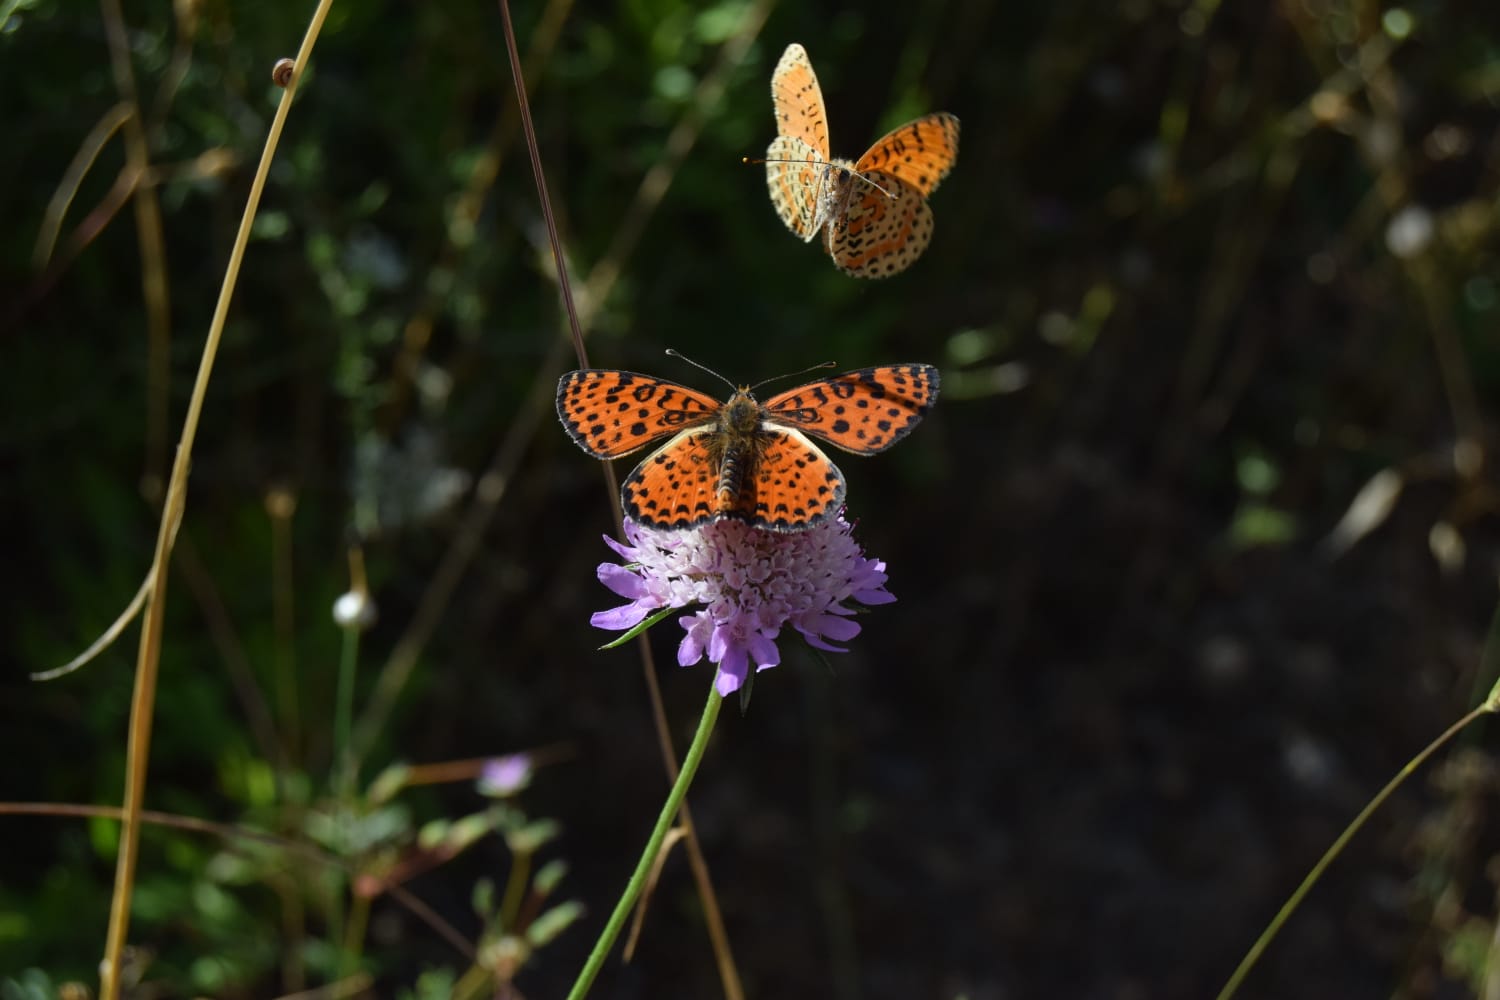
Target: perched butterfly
x: 742, y: 459
x: 873, y: 212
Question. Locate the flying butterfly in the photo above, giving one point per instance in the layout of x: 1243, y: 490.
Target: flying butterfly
x: 872, y: 212
x: 742, y: 458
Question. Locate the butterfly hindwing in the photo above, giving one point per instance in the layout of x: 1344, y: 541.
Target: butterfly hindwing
x: 795, y: 485
x: 864, y: 411
x: 612, y: 413
x: 674, y: 487
x: 886, y: 225
x: 794, y: 171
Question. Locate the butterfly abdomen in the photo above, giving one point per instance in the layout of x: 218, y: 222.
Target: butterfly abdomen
x: 736, y: 449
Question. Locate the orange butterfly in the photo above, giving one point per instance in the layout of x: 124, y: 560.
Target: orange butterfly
x: 742, y: 459
x: 873, y: 213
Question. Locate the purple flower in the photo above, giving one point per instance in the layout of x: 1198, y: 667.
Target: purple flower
x: 750, y: 582
x: 502, y: 777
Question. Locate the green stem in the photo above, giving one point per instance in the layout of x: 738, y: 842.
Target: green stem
x: 515, y: 891
x: 345, y: 777
x: 343, y: 782
x: 643, y: 867
x: 1289, y: 907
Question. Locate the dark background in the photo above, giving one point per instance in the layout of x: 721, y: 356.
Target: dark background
x: 1202, y: 271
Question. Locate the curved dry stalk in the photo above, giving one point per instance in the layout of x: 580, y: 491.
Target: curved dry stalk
x: 229, y: 832
x: 67, y: 187
x: 107, y: 637
x: 638, y: 921
x: 143, y: 697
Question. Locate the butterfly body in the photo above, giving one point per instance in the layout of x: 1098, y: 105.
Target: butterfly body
x: 741, y: 459
x: 872, y: 212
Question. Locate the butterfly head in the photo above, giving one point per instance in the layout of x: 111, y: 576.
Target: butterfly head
x: 741, y: 414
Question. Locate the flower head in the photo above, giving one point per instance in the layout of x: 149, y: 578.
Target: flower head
x: 750, y: 582
x: 502, y: 777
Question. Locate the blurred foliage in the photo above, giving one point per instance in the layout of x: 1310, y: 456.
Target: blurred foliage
x: 1199, y: 547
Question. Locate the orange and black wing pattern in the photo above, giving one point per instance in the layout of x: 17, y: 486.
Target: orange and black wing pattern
x: 794, y: 487
x: 794, y: 176
x: 675, y: 486
x: 886, y: 223
x: 799, y: 100
x: 796, y: 160
x: 864, y: 411
x: 882, y: 230
x: 612, y: 413
x: 919, y: 153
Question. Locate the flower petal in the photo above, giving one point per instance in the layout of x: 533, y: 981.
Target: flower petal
x: 621, y: 618
x: 621, y: 549
x: 763, y: 651
x: 732, y: 670
x: 690, y: 650
x: 622, y: 581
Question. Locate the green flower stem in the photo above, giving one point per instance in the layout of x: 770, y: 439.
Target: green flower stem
x: 515, y: 891
x: 343, y: 781
x: 344, y: 771
x: 643, y: 867
x: 1290, y: 906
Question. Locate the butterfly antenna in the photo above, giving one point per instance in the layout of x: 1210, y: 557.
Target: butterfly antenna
x: 702, y: 367
x: 877, y: 187
x: 821, y: 163
x: 813, y: 368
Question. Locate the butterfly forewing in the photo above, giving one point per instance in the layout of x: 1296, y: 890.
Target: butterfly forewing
x: 864, y: 411
x: 799, y: 100
x: 612, y: 413
x: 920, y: 153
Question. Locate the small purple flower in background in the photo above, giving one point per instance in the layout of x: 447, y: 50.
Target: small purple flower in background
x: 502, y: 777
x: 751, y: 583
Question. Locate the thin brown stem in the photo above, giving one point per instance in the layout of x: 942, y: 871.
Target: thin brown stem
x: 653, y: 187
x: 67, y: 188
x: 153, y: 250
x: 143, y: 697
x: 228, y: 832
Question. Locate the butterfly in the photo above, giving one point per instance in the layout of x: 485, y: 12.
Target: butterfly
x: 873, y: 212
x: 742, y: 458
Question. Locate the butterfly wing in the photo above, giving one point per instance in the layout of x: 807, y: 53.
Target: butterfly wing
x: 794, y: 487
x: 864, y: 411
x: 885, y: 223
x: 675, y: 486
x: 612, y: 413
x: 919, y: 153
x: 794, y: 173
x: 881, y: 230
x: 799, y: 100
